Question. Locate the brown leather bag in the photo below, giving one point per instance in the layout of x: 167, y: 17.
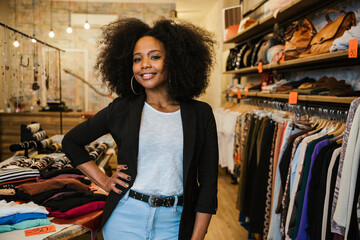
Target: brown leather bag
x: 324, y: 39
x: 297, y: 38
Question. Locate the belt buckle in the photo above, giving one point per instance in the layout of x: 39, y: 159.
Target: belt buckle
x: 152, y: 200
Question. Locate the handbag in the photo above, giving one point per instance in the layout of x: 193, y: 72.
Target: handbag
x: 240, y: 56
x: 230, y: 62
x: 297, y: 38
x: 324, y: 39
x: 255, y: 53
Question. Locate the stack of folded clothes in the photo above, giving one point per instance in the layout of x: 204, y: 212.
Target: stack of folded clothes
x: 272, y: 88
x: 326, y: 86
x: 62, y: 197
x: 290, y: 86
x: 15, y: 216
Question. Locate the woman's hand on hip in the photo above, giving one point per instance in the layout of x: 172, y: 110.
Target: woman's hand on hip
x: 119, y: 178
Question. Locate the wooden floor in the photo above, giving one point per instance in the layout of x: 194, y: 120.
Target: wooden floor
x: 225, y: 225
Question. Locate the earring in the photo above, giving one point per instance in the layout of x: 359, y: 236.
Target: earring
x: 132, y: 86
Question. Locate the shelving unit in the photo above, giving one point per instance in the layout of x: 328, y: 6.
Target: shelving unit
x: 326, y: 60
x: 294, y: 11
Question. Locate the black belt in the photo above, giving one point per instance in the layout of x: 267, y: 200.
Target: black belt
x: 156, y: 200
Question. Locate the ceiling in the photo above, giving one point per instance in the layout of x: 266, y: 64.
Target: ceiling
x: 194, y: 10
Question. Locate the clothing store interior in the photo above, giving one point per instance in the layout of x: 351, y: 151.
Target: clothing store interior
x: 284, y: 91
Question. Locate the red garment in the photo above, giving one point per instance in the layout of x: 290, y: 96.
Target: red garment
x: 77, y: 211
x: 89, y: 220
x: 338, y: 237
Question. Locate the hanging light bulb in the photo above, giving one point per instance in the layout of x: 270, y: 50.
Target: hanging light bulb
x: 33, y: 40
x: 69, y: 29
x: 51, y: 34
x: 87, y: 25
x: 16, y: 43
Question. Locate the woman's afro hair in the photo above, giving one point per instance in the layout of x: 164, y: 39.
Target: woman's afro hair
x: 189, y: 56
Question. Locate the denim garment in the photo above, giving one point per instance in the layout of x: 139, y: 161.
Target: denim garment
x: 136, y: 220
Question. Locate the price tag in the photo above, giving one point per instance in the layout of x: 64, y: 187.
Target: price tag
x: 353, y: 48
x: 40, y: 230
x: 238, y: 94
x: 260, y: 67
x: 293, y: 97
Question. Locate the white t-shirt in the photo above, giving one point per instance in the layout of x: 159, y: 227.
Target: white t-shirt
x: 160, y: 158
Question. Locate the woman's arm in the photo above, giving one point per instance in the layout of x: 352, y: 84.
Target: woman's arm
x: 92, y: 171
x: 202, y: 221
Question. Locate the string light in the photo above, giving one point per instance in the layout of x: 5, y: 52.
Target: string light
x: 51, y: 33
x: 69, y: 29
x: 87, y: 25
x: 33, y: 40
x: 16, y: 43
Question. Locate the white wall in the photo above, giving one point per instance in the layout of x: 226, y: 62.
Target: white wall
x: 207, y: 14
x: 213, y: 22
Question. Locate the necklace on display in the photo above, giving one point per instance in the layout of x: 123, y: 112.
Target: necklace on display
x: 35, y: 85
x: 4, y: 69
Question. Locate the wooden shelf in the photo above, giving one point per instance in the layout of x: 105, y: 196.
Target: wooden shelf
x: 327, y: 60
x: 309, y: 98
x: 294, y: 10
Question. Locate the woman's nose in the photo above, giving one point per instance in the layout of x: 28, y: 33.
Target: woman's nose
x: 145, y: 64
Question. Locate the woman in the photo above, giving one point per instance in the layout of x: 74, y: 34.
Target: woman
x: 165, y: 184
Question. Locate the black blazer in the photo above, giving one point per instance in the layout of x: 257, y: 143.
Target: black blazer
x: 200, y: 155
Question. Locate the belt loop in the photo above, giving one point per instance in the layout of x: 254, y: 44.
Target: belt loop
x: 175, y: 203
x: 126, y: 195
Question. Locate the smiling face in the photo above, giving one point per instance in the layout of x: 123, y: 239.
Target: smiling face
x: 148, y: 63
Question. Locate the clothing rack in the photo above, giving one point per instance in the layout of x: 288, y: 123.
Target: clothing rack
x: 325, y: 111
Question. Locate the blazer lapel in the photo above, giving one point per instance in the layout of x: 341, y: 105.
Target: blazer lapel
x: 188, y: 117
x: 136, y: 106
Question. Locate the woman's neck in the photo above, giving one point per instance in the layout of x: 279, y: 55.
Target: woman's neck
x: 161, y: 101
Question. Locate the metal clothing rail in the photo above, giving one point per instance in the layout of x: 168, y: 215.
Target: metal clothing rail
x: 26, y: 35
x: 330, y: 112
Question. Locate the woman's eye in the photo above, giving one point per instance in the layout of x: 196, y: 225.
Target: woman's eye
x: 155, y: 57
x: 137, y: 60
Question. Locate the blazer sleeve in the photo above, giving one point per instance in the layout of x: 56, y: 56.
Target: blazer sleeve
x: 208, y: 167
x: 76, y: 139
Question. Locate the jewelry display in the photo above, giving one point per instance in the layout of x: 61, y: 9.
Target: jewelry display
x: 19, y: 71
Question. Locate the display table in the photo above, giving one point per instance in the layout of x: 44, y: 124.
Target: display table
x: 68, y: 228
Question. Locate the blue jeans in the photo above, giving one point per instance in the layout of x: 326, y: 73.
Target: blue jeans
x: 135, y: 220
